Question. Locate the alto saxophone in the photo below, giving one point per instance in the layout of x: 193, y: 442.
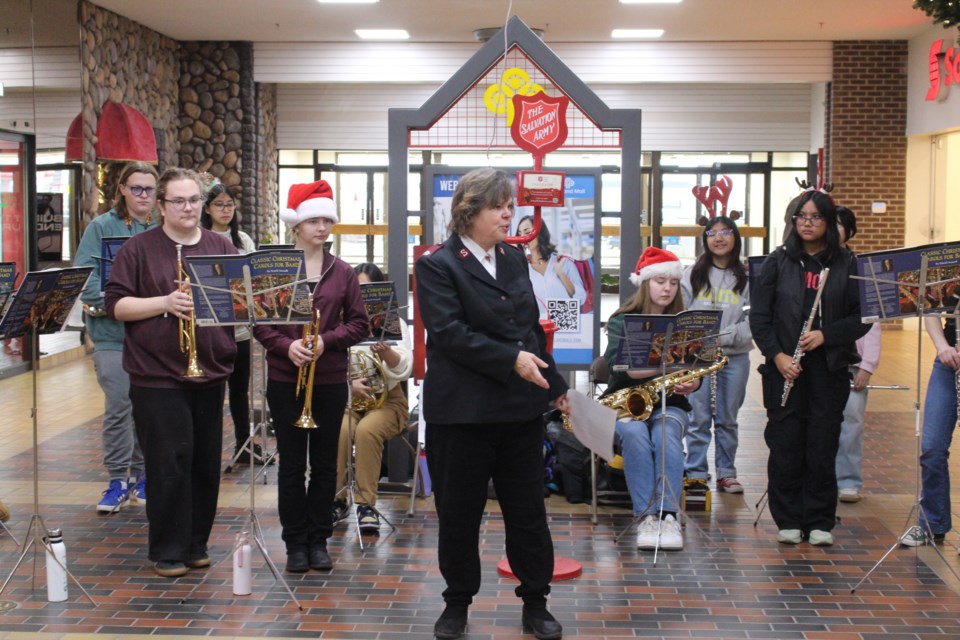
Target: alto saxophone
x: 638, y: 402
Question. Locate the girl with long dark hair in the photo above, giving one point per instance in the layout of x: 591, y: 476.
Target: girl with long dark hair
x: 718, y: 280
x: 803, y: 435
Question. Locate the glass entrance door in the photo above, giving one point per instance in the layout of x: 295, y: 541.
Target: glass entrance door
x: 362, y: 232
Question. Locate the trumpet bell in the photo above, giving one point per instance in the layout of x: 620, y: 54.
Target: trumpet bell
x: 305, y: 421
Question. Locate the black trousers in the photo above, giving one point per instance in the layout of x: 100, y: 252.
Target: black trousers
x: 462, y: 459
x: 181, y: 434
x: 803, y: 438
x: 305, y: 510
x: 238, y: 397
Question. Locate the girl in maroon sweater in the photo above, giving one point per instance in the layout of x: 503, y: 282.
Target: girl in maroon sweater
x: 305, y: 510
x: 178, y: 419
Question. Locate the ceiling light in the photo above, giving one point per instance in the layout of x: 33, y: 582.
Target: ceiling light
x: 636, y: 33
x: 645, y: 1
x: 348, y: 1
x: 382, y: 34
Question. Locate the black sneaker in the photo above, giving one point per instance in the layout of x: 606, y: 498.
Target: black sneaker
x: 339, y: 511
x: 170, y: 569
x: 367, y: 519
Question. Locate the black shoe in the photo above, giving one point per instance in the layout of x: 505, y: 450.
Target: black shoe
x: 339, y: 511
x: 297, y: 561
x: 170, y: 569
x: 198, y: 560
x: 452, y: 623
x: 367, y: 519
x: 543, y: 625
x: 320, y: 559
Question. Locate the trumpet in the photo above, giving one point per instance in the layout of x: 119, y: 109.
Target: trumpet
x: 305, y: 374
x: 188, y: 326
x: 798, y: 352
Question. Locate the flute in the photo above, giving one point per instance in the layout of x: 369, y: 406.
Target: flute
x: 798, y: 352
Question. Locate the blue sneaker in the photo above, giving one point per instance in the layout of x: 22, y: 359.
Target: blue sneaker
x: 138, y: 495
x: 115, y: 497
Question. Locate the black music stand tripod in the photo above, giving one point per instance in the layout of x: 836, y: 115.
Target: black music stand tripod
x: 921, y: 526
x: 35, y: 537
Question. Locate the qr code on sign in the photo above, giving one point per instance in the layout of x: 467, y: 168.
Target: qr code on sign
x: 565, y: 314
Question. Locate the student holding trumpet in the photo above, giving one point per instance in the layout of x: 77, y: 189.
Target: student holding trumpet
x: 307, y: 380
x: 176, y: 392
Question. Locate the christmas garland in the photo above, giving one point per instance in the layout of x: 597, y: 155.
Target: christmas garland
x: 945, y: 11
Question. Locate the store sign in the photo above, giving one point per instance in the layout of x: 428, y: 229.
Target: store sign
x: 539, y: 123
x: 944, y: 69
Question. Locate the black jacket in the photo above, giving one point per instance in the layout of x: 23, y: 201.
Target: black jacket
x: 476, y: 326
x: 776, y: 309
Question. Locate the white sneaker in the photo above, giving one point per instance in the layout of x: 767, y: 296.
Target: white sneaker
x: 671, y: 536
x: 790, y: 536
x: 647, y: 532
x: 820, y: 538
x: 849, y: 495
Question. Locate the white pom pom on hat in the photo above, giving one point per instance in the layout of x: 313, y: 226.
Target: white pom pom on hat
x: 654, y: 262
x: 307, y: 201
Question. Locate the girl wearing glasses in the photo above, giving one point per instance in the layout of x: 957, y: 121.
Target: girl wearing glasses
x: 803, y: 436
x: 718, y: 281
x: 179, y: 420
x: 220, y: 216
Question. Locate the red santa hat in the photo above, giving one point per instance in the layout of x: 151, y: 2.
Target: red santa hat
x: 306, y: 201
x: 655, y: 262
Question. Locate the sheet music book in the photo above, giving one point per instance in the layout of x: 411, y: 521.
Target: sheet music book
x: 109, y: 246
x: 44, y: 296
x: 883, y: 296
x: 220, y: 289
x: 8, y: 279
x: 693, y: 342
x: 380, y: 301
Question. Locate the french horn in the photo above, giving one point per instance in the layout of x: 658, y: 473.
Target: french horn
x: 369, y: 366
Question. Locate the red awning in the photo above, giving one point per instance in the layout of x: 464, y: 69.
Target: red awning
x: 123, y: 135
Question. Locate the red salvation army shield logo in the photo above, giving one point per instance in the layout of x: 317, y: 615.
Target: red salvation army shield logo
x: 539, y: 122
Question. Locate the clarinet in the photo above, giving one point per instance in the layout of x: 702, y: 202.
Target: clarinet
x: 798, y: 352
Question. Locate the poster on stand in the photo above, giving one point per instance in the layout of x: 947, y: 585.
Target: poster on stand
x: 561, y: 259
x: 890, y: 281
x: 44, y: 298
x: 277, y: 296
x: 380, y: 301
x: 50, y: 227
x: 693, y: 341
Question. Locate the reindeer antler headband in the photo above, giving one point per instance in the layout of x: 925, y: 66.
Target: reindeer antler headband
x: 710, y: 196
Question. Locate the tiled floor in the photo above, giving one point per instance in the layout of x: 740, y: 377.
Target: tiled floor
x: 731, y: 581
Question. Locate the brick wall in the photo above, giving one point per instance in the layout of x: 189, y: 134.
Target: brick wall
x: 866, y: 152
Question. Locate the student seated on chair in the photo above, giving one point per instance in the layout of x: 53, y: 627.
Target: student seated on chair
x: 646, y: 450
x: 369, y: 430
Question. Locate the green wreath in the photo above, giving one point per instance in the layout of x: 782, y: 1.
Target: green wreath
x: 945, y: 11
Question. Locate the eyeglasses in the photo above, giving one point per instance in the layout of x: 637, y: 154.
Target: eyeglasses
x: 138, y: 191
x: 813, y: 220
x: 718, y: 232
x: 226, y: 206
x: 180, y: 203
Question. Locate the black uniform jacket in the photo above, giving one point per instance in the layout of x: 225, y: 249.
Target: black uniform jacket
x: 476, y: 326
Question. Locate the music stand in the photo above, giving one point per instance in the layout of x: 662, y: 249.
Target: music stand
x: 41, y: 305
x: 198, y: 274
x: 922, y: 525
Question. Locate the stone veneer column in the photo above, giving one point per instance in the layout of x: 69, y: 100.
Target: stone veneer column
x: 224, y: 131
x: 867, y: 144
x: 123, y: 61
